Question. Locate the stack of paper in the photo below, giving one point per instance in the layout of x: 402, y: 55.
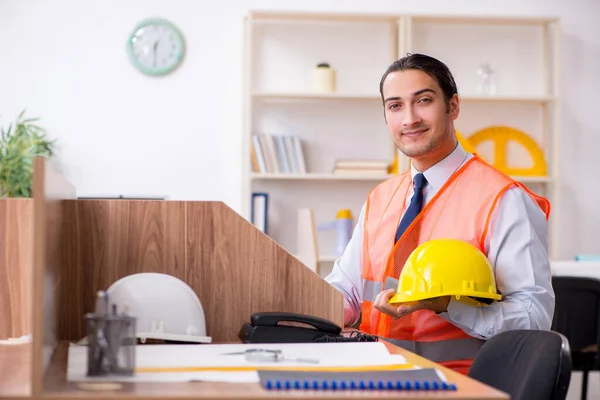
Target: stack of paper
x: 212, y: 362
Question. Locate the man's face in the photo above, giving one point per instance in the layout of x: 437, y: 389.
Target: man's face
x: 417, y: 116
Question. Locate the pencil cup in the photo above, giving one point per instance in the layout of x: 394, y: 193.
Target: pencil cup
x: 111, y: 345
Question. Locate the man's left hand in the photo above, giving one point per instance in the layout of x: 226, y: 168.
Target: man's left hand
x: 437, y: 304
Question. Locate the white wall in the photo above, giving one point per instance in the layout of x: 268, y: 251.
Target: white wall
x: 124, y: 133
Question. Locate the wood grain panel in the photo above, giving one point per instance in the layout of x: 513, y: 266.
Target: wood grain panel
x: 70, y: 306
x: 50, y: 189
x: 16, y: 249
x: 116, y: 238
x: 236, y: 270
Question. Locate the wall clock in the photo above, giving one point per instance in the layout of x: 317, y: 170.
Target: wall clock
x: 155, y: 47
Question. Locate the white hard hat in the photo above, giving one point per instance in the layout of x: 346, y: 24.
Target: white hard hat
x: 165, y: 307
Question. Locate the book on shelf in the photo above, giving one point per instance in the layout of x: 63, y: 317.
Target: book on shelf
x: 277, y: 154
x: 259, y: 211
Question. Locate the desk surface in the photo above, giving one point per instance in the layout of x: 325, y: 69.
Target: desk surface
x: 15, y: 364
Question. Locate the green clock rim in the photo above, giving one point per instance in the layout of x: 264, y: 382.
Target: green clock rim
x: 158, y: 71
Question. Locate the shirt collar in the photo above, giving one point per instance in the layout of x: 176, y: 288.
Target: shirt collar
x: 438, y: 174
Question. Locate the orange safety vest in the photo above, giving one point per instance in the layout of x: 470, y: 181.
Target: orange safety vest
x: 460, y: 210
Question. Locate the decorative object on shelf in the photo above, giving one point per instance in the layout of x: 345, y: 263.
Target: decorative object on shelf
x: 486, y: 85
x: 155, y: 47
x: 19, y: 145
x: 323, y: 79
x: 393, y: 168
x: 342, y: 224
x: 464, y: 142
x: 500, y: 136
x: 307, y: 247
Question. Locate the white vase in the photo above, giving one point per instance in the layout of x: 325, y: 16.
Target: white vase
x: 323, y: 80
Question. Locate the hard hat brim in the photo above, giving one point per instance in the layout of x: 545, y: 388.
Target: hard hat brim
x: 406, y: 297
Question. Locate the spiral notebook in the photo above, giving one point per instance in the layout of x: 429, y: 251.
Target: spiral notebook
x: 416, y: 379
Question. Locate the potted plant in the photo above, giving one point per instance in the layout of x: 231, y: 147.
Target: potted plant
x: 19, y: 145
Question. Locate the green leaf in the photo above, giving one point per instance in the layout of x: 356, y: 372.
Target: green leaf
x: 30, y: 120
x: 20, y: 143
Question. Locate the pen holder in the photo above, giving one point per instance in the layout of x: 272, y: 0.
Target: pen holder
x: 111, y: 344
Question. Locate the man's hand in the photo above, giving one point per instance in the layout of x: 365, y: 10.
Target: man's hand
x: 437, y: 304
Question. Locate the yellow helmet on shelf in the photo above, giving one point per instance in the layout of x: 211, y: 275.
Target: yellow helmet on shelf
x: 443, y: 267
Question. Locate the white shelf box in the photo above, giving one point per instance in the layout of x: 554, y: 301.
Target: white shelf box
x: 328, y: 132
x: 533, y: 179
x: 536, y: 100
x: 321, y: 177
x: 285, y: 55
x: 281, y: 96
x: 517, y: 49
x: 328, y: 258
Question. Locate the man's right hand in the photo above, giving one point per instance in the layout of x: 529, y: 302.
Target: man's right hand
x: 436, y: 304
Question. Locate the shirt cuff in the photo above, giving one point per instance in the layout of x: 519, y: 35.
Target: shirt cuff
x: 349, y: 314
x: 462, y: 315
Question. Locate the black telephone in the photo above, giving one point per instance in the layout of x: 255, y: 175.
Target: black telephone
x: 271, y: 327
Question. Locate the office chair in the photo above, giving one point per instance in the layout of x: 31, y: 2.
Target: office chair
x: 527, y: 364
x: 577, y: 316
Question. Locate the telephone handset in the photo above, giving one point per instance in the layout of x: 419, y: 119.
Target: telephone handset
x: 271, y: 327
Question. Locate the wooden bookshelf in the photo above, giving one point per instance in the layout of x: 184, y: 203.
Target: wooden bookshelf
x: 282, y: 49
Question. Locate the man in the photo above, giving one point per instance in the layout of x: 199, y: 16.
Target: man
x: 448, y: 193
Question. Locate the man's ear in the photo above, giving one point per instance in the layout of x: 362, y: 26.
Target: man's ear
x: 454, y: 104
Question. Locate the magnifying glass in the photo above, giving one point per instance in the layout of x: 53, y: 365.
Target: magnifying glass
x: 267, y: 355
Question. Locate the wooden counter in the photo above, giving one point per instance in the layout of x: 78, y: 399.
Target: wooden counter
x: 15, y: 381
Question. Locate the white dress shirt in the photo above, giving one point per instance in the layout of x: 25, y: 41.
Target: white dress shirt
x: 516, y: 247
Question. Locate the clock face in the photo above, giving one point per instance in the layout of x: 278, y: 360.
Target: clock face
x: 155, y: 47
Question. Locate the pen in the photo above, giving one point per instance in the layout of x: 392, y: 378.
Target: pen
x: 102, y: 303
x: 101, y: 311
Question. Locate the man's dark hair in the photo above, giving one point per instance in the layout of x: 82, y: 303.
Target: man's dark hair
x: 431, y: 66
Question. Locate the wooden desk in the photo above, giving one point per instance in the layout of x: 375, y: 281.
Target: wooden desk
x: 15, y: 364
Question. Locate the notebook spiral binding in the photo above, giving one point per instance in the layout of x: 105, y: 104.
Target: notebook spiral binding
x: 356, y: 385
x: 427, y: 379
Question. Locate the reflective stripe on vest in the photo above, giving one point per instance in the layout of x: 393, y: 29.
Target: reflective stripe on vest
x: 371, y: 288
x: 443, y: 350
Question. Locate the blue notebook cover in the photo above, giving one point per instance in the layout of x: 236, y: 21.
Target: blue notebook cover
x: 417, y: 379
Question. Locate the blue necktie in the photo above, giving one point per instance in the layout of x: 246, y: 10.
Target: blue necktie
x: 416, y: 204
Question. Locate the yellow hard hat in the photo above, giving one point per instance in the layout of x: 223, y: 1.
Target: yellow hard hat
x: 443, y: 267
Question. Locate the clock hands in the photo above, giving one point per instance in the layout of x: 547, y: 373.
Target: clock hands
x: 154, y: 50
